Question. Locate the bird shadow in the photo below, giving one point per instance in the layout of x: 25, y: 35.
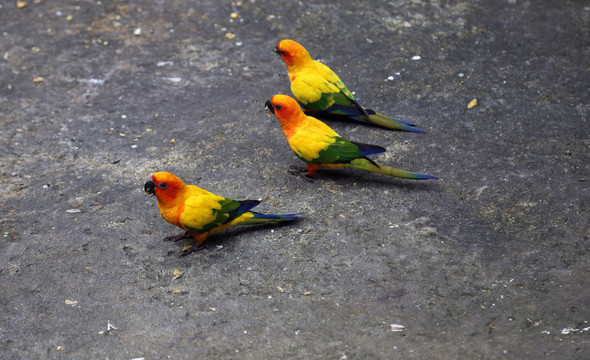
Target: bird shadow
x: 348, y: 177
x: 221, y: 238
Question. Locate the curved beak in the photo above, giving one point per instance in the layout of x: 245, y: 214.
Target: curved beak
x: 268, y: 106
x: 150, y: 187
x: 276, y: 50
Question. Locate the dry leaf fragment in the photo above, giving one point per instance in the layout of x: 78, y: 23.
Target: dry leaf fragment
x: 472, y: 103
x: 21, y: 4
x: 38, y: 79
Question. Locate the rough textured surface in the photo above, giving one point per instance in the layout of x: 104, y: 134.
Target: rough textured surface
x: 491, y: 261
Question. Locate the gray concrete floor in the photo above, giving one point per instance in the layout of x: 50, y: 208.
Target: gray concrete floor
x: 491, y: 261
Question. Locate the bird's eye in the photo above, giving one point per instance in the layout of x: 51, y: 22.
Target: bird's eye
x: 282, y: 52
x: 278, y: 107
x: 162, y: 186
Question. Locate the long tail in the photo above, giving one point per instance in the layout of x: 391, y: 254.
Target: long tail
x: 252, y: 218
x: 367, y: 165
x: 387, y: 122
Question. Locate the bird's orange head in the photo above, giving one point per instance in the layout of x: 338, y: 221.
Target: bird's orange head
x: 292, y: 53
x: 165, y: 186
x: 288, y: 112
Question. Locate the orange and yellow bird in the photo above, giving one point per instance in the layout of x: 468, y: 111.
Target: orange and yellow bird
x: 320, y: 91
x: 202, y: 213
x: 319, y: 146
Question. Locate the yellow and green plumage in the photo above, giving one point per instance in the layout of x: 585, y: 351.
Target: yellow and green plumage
x: 202, y: 213
x: 321, y: 92
x: 319, y: 146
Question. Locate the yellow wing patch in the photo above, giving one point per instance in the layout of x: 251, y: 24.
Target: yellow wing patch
x: 310, y: 83
x: 333, y: 78
x: 198, y: 209
x: 311, y: 138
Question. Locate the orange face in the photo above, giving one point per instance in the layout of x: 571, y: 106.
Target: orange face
x: 288, y: 113
x: 283, y: 107
x: 164, y: 185
x: 292, y: 52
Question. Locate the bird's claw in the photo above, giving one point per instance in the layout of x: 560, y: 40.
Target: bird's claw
x: 191, y: 249
x: 300, y: 172
x: 178, y: 237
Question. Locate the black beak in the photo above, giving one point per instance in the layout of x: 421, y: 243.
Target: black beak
x: 150, y: 187
x: 269, y: 107
x: 277, y: 51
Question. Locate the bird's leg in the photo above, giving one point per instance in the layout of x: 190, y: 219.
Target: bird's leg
x: 191, y: 249
x: 300, y: 172
x: 178, y: 237
x: 300, y: 169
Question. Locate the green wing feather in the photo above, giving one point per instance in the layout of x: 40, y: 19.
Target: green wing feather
x: 330, y: 76
x: 340, y: 151
x: 230, y: 209
x: 320, y: 89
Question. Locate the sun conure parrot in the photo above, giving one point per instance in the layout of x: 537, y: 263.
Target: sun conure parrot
x: 319, y: 146
x: 321, y: 92
x: 200, y: 212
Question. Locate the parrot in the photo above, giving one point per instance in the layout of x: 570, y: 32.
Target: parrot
x: 321, y: 92
x: 319, y: 146
x: 202, y: 213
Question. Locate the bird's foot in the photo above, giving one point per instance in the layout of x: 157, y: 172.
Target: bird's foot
x: 178, y: 237
x: 300, y: 172
x: 191, y: 249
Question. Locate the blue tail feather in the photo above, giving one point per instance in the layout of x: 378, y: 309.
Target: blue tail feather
x: 245, y: 205
x: 368, y: 149
x: 424, y: 177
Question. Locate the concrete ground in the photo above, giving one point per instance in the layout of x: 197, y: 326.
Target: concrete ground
x: 491, y: 261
